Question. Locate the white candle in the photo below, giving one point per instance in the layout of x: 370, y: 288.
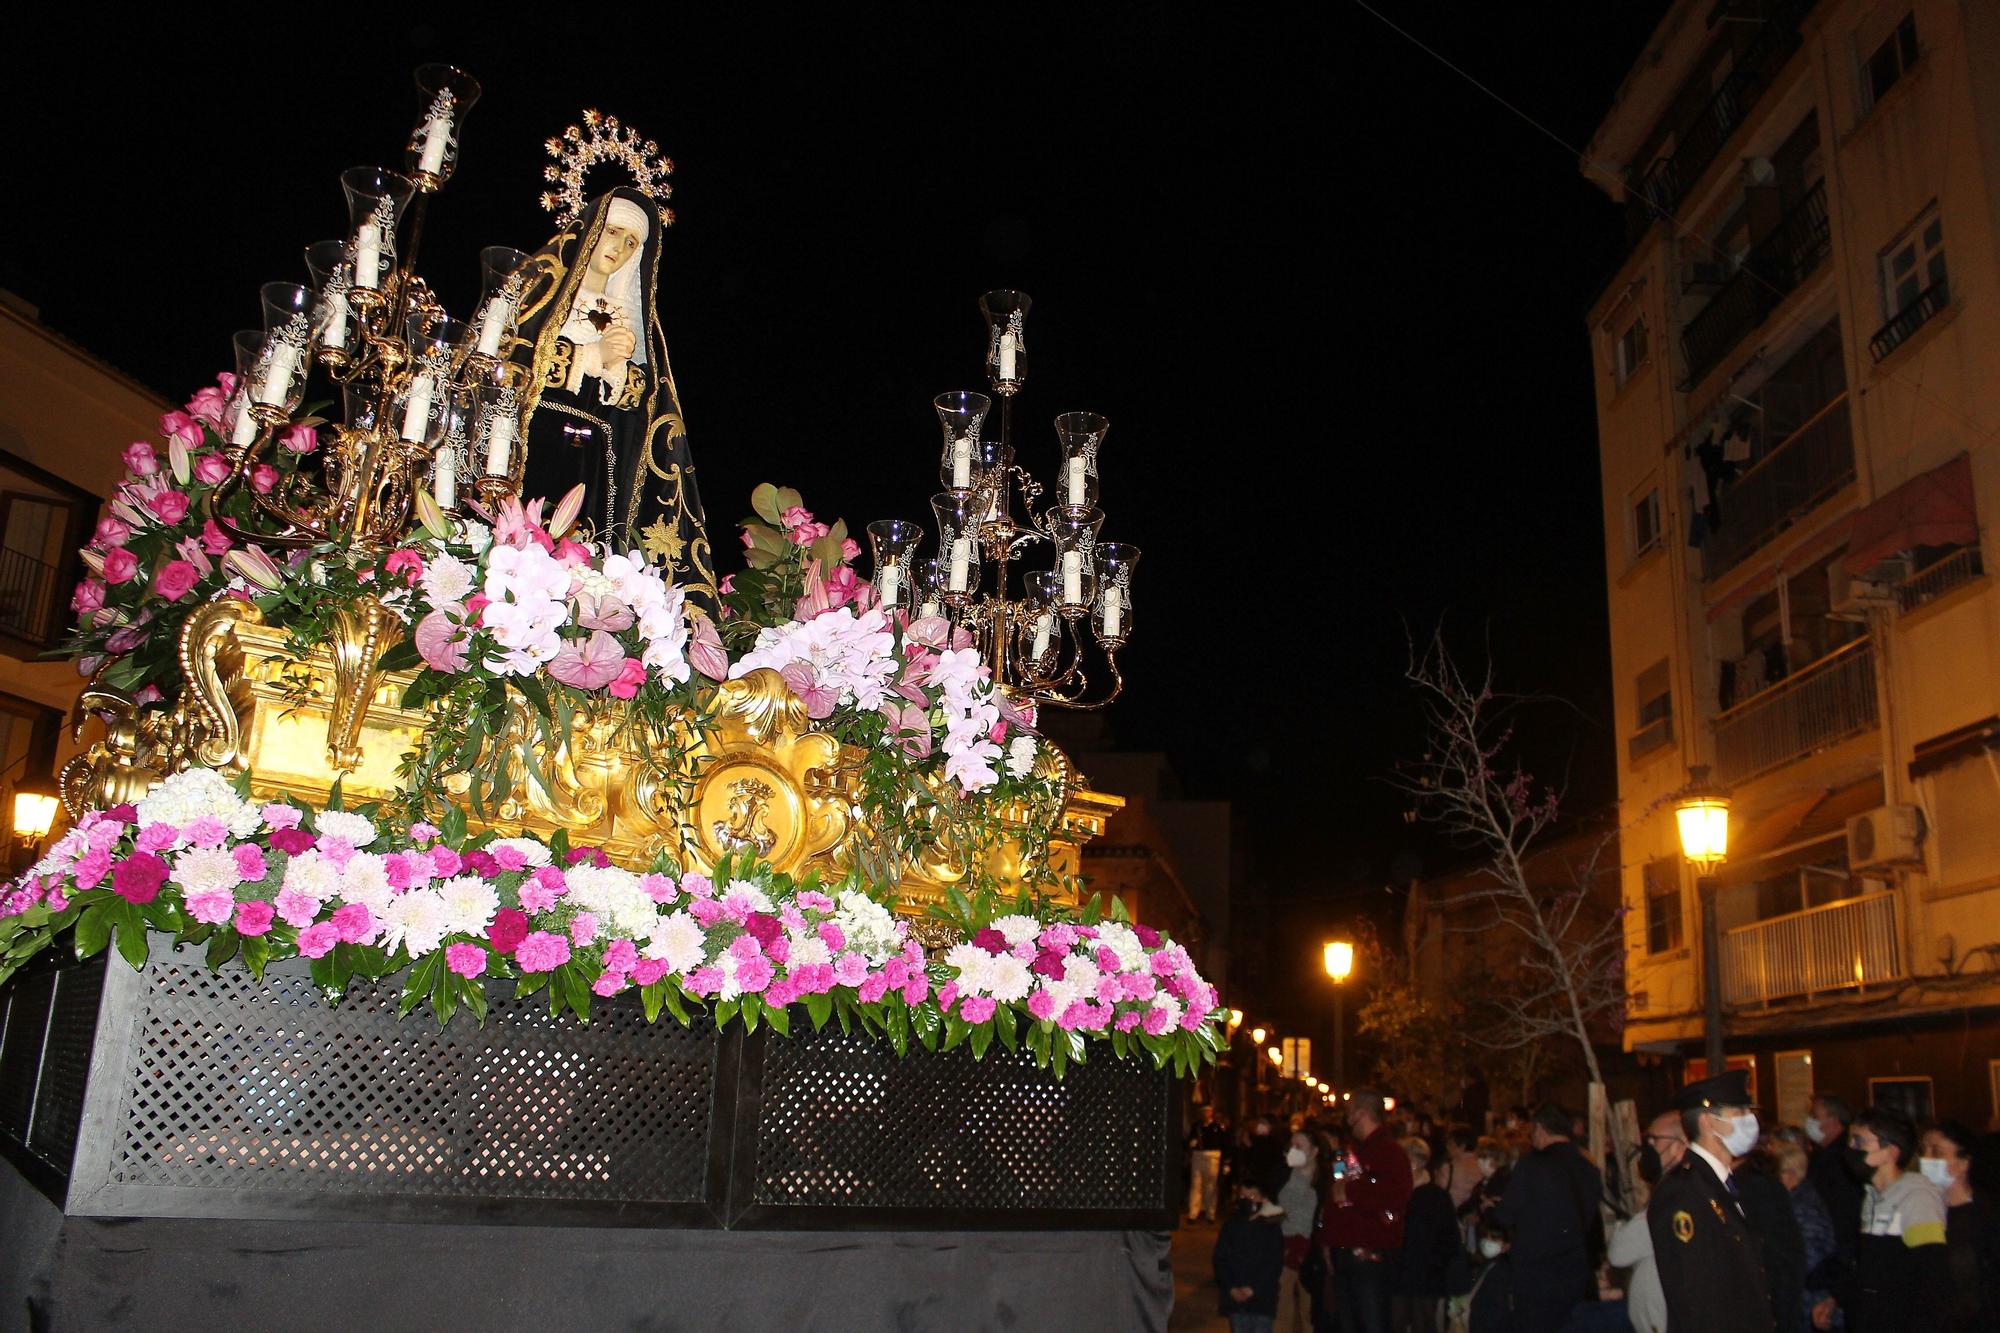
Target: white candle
x: 417, y: 410
x: 1072, y: 577
x: 1008, y: 347
x: 277, y: 382
x: 493, y: 324
x: 1044, y: 626
x: 499, y: 445
x: 335, y: 333
x: 926, y: 610
x: 368, y: 255
x: 1076, y: 482
x: 437, y: 133
x: 959, y: 579
x: 444, y: 478
x: 1114, y: 612
x: 245, y: 429
x: 961, y: 463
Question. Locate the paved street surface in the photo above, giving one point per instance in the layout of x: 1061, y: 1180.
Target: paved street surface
x: 1194, y: 1281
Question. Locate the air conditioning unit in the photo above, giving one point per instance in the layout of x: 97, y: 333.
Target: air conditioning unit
x: 1849, y: 598
x: 1891, y: 836
x: 1702, y: 275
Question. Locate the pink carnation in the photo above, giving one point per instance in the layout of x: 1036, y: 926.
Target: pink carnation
x: 280, y: 815
x: 850, y: 969
x: 213, y: 908
x: 317, y: 941
x: 873, y: 989
x: 753, y: 975
x: 697, y: 886
x: 353, y: 923
x: 253, y: 918
x: 467, y: 960
x: 583, y: 929
x: 659, y: 888
x: 648, y: 970
x: 157, y: 837
x: 621, y: 955
x: 1042, y: 1005
x: 1158, y: 1022
x: 297, y: 909
x: 205, y: 831
x: 607, y: 984
x: 542, y: 952
x: 977, y: 1008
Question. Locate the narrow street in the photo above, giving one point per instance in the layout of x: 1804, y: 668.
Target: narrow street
x: 1194, y: 1281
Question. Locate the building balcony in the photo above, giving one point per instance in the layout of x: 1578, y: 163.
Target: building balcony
x: 1806, y: 712
x: 1795, y: 478
x: 27, y: 597
x: 1701, y: 139
x: 1940, y: 577
x: 1839, y: 946
x: 1930, y: 302
x: 1782, y: 261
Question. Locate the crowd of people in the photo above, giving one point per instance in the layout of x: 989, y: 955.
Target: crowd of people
x: 1385, y: 1221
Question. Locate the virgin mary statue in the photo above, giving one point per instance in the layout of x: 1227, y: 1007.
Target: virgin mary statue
x: 601, y: 407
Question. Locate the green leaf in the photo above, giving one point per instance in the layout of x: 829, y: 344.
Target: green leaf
x: 93, y: 930
x: 819, y: 1008
x: 779, y: 1019
x: 956, y: 1030
x: 750, y: 1008
x: 530, y: 983
x: 674, y: 1004
x: 132, y: 936
x: 1003, y: 1024
x: 652, y: 997
x: 725, y: 1011
x: 401, y: 656
x: 222, y: 948
x: 764, y: 500
x: 535, y: 692
x: 982, y: 1037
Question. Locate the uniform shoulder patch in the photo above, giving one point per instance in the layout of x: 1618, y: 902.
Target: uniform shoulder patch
x: 1683, y: 1226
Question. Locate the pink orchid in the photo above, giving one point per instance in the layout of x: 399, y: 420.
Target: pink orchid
x: 590, y: 666
x: 517, y: 524
x: 606, y: 612
x: 820, y: 700
x: 705, y: 652
x: 440, y: 643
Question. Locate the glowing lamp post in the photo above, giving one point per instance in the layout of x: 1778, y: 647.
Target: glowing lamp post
x: 1339, y: 958
x: 1702, y: 812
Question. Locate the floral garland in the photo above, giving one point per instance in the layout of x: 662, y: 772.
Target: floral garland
x: 357, y: 893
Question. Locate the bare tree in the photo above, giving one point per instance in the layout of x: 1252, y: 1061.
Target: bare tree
x: 1568, y: 975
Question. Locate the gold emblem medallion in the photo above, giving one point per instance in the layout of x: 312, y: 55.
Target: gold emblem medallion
x: 1683, y: 1226
x: 1720, y: 1216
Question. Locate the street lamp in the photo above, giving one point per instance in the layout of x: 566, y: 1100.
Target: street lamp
x: 34, y: 812
x: 1339, y: 958
x: 1702, y: 811
x: 1258, y: 1034
x: 1277, y: 1056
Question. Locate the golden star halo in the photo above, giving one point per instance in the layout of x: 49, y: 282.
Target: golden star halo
x: 602, y: 139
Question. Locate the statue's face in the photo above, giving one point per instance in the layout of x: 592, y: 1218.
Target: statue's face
x: 615, y: 245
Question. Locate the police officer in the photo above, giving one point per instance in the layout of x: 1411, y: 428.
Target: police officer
x: 1711, y: 1265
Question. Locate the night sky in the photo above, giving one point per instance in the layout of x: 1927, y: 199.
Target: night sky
x: 1330, y: 296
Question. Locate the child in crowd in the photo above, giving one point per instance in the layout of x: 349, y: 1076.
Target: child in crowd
x: 1249, y: 1260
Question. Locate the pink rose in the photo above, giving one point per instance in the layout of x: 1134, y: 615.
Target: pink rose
x: 629, y: 680
x: 253, y: 918
x: 111, y: 532
x: 88, y: 597
x: 849, y: 548
x: 177, y: 425
x: 303, y: 440
x: 170, y: 507
x: 263, y: 478
x: 803, y: 535
x: 213, y: 539
x: 466, y: 960
x: 175, y: 580
x: 140, y: 460
x: 208, y: 405
x: 798, y: 516
x: 210, y: 469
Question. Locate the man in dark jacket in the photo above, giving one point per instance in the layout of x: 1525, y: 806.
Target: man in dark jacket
x: 1827, y: 1126
x: 1767, y: 1207
x: 1249, y: 1260
x: 1711, y: 1264
x: 1551, y: 1210
x: 1363, y: 1219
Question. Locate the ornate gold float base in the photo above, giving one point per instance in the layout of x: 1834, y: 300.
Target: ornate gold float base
x: 758, y: 776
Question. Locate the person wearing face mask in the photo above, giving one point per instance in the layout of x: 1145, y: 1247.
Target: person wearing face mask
x: 1900, y: 1278
x: 1767, y: 1207
x: 1631, y: 1244
x: 1971, y: 1227
x: 1301, y: 1204
x: 1365, y: 1214
x: 1493, y: 1307
x: 1711, y: 1266
x: 1249, y: 1261
x: 1815, y: 1227
x: 1827, y: 1126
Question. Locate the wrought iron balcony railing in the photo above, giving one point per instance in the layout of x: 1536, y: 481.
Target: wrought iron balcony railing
x: 1806, y: 712
x: 1940, y: 577
x: 1930, y: 302
x: 1663, y: 187
x: 27, y: 596
x: 1807, y: 467
x: 1774, y: 270
x: 1838, y: 946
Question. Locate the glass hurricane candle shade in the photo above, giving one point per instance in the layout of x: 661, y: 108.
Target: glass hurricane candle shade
x: 958, y: 546
x: 499, y: 300
x: 448, y: 463
x: 1082, y: 435
x: 1111, y: 617
x: 1006, y: 314
x: 496, y: 430
x: 894, y: 542
x: 926, y: 591
x: 990, y: 459
x: 239, y: 423
x: 432, y: 153
x: 1040, y: 635
x: 1076, y: 565
x: 962, y: 415
x: 334, y: 331
x: 278, y: 382
x: 377, y: 203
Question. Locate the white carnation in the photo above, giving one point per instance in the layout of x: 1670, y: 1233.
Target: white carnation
x: 313, y: 875
x: 365, y: 880
x: 1121, y: 941
x: 417, y: 920
x: 1018, y: 929
x: 354, y: 829
x: 613, y: 896
x: 1020, y: 756
x: 808, y: 951
x: 678, y: 940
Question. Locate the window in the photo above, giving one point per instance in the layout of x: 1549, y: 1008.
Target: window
x: 1913, y: 266
x: 1655, y: 721
x: 1646, y: 522
x: 1964, y: 823
x: 1630, y: 352
x: 1663, y: 905
x: 1893, y: 58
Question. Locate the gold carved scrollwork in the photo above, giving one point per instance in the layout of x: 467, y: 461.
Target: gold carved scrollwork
x: 761, y: 783
x: 361, y: 634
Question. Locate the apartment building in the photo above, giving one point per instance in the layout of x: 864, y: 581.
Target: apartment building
x: 65, y: 417
x: 1798, y: 392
